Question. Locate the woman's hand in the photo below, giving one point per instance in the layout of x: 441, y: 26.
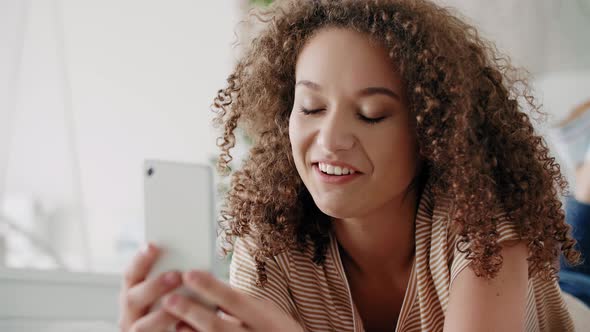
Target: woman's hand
x: 138, y: 295
x: 237, y: 311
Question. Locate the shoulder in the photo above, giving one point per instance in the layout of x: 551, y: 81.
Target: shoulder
x: 499, y: 303
x: 244, y: 258
x: 245, y: 276
x: 280, y: 265
x: 444, y: 235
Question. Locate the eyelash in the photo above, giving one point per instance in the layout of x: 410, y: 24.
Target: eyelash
x: 360, y: 116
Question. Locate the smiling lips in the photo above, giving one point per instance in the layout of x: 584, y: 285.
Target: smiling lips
x: 332, y: 173
x: 335, y: 170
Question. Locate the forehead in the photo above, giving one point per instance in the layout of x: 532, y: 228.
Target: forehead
x: 345, y: 58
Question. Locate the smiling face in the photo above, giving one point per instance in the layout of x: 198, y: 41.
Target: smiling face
x: 350, y: 111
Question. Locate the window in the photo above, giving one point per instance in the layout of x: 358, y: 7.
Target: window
x: 89, y: 90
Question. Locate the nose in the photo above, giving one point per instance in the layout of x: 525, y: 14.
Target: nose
x: 335, y: 133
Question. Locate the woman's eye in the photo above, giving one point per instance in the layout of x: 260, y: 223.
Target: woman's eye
x: 359, y: 115
x: 308, y: 112
x: 370, y: 120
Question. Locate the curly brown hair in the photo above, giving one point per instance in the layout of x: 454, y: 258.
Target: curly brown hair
x: 474, y: 134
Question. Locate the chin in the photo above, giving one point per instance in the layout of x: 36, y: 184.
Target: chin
x: 339, y: 211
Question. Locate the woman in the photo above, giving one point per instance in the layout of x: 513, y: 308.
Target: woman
x: 394, y: 183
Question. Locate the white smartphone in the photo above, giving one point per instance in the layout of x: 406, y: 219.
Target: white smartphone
x: 179, y: 215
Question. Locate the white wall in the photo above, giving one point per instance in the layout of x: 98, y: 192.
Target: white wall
x: 139, y: 77
x: 11, y: 30
x: 542, y: 35
x: 561, y: 92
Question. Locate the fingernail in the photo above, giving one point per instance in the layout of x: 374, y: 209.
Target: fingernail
x: 171, y: 278
x: 147, y: 249
x: 151, y: 249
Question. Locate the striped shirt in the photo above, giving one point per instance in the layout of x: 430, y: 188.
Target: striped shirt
x: 319, y: 297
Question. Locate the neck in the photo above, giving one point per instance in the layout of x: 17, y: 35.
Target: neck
x: 381, y: 243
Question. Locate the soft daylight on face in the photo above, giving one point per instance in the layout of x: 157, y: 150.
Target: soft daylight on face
x: 344, y: 79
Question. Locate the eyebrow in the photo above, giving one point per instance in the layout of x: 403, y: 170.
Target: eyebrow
x: 370, y: 91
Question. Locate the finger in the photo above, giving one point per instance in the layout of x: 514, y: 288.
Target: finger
x: 228, y: 317
x: 159, y: 320
x: 144, y: 294
x: 140, y: 266
x: 197, y: 316
x: 240, y: 305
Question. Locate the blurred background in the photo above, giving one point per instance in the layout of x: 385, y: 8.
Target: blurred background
x: 89, y: 89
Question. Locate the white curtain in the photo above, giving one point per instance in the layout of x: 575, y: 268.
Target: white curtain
x: 40, y: 188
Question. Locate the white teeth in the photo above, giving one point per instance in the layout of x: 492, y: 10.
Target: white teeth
x: 334, y: 170
x: 330, y: 169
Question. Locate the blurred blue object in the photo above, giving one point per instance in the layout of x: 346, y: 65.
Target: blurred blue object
x: 576, y: 279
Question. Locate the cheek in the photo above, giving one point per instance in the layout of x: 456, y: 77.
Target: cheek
x: 293, y: 134
x: 297, y: 139
x: 396, y: 161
